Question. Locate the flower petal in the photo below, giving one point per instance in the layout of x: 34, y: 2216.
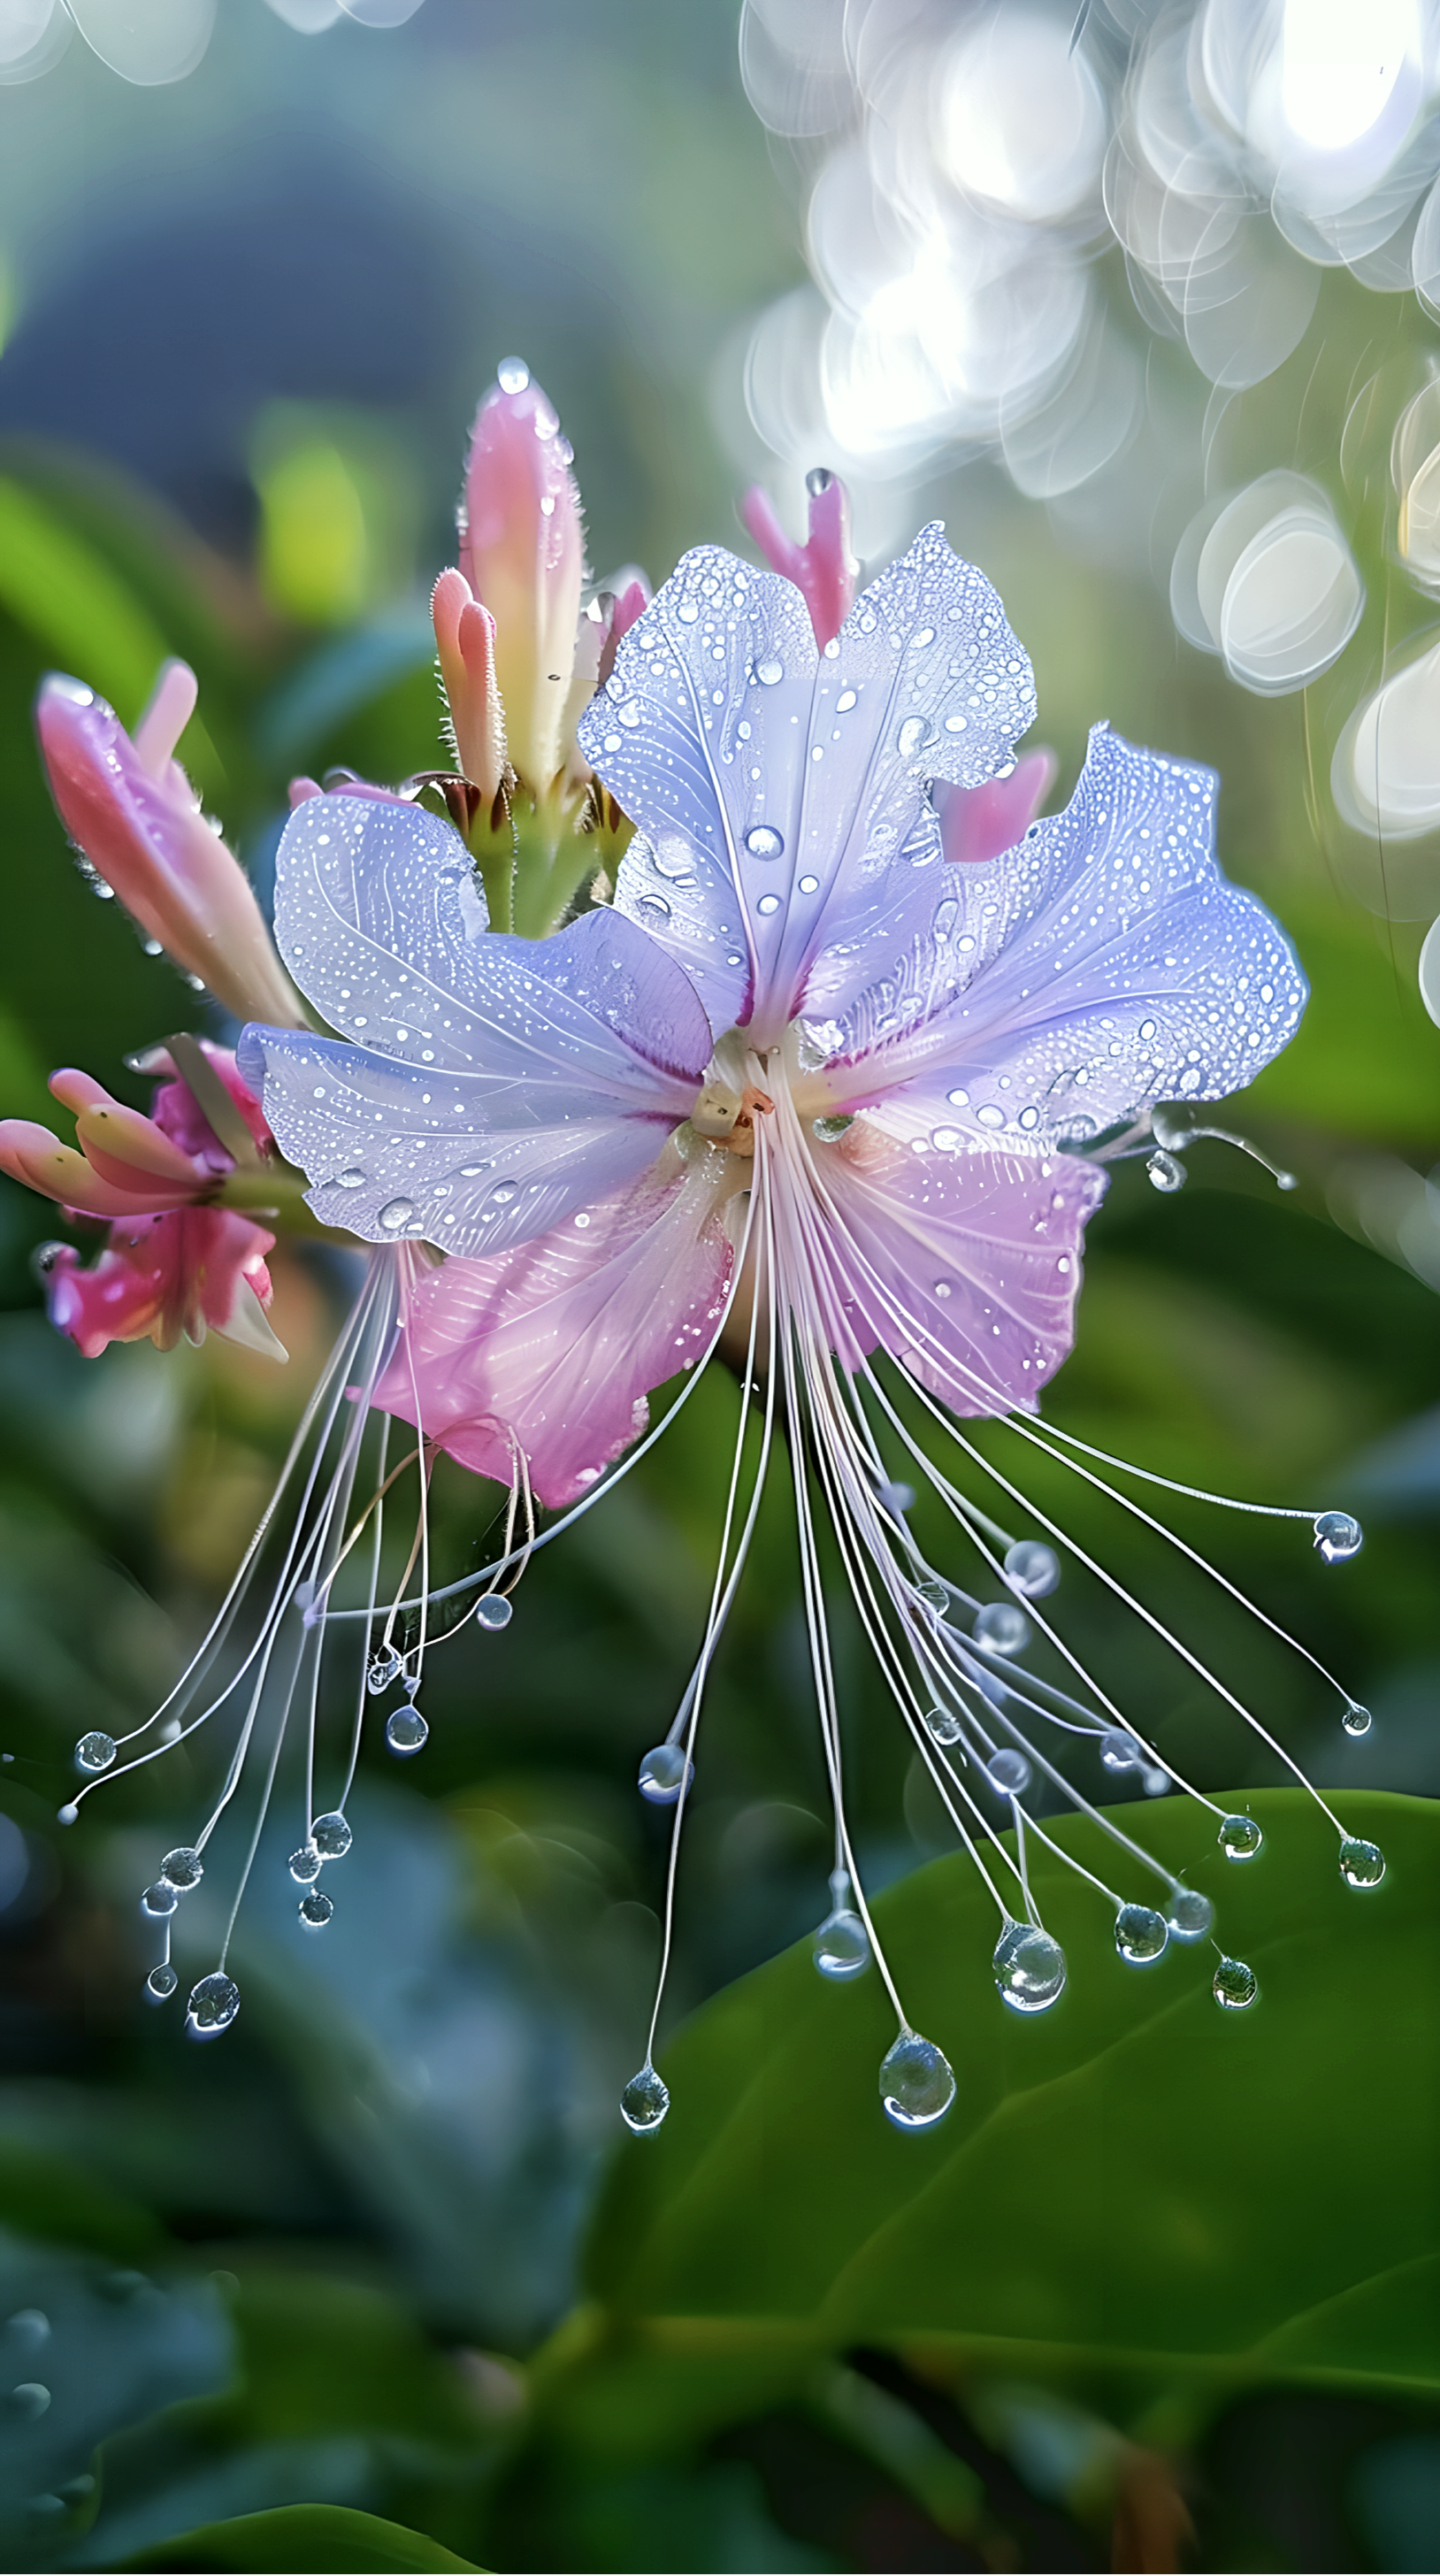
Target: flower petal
x: 964, y: 1267
x: 163, y: 1276
x: 977, y: 823
x: 29, y: 1153
x: 555, y: 1346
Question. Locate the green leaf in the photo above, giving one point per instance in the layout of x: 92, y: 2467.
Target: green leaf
x: 81, y: 610
x: 43, y: 2194
x: 1135, y: 2187
x: 302, y: 2537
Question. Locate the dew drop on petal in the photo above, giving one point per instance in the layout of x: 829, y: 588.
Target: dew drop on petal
x: 95, y: 1752
x: 1362, y: 1864
x: 1141, y: 1935
x: 664, y: 1772
x: 1002, y: 1628
x: 917, y: 2082
x: 1338, y: 1535
x: 1032, y: 1568
x: 1029, y: 1968
x: 315, y: 1909
x: 398, y: 1213
x: 1009, y: 1772
x: 769, y: 673
x: 305, y: 1864
x: 406, y: 1731
x: 1240, y: 1837
x: 1234, y: 1985
x: 494, y: 1612
x: 1190, y: 1914
x: 1356, y: 1720
x: 159, y: 1900
x: 764, y: 842
x: 841, y: 1947
x: 161, y: 1982
x: 830, y: 1130
x: 331, y: 1836
x: 351, y: 1180
x: 768, y: 903
x: 644, y: 2102
x: 213, y: 2004
x: 913, y: 734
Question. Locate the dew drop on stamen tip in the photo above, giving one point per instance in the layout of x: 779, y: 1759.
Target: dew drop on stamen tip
x: 494, y: 1611
x: 95, y: 1752
x: 1141, y: 1935
x: 934, y: 1594
x: 841, y: 1947
x: 331, y: 1836
x: 305, y: 1864
x: 1032, y: 1568
x: 644, y: 2102
x: 67, y: 1815
x: 1189, y: 1914
x: 213, y: 2004
x: 382, y: 1672
x: 1165, y: 1172
x: 315, y: 1909
x: 1240, y: 1837
x: 161, y: 1983
x: 664, y: 1771
x: 1029, y: 1968
x: 1356, y: 1720
x: 183, y: 1867
x: 1120, y: 1752
x: 1362, y: 1864
x: 917, y: 2082
x: 944, y: 1725
x: 1008, y: 1772
x: 1338, y: 1535
x: 512, y: 375
x: 406, y: 1731
x: 1235, y: 1985
x: 1001, y: 1628
x: 159, y: 1901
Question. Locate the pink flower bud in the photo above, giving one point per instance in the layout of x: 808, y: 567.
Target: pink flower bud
x: 522, y: 552
x: 977, y: 823
x: 465, y: 641
x: 823, y: 568
x: 133, y: 813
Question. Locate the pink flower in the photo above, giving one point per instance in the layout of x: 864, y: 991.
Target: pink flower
x: 465, y: 643
x: 823, y: 569
x: 131, y: 810
x: 979, y: 823
x: 522, y: 554
x: 171, y: 1264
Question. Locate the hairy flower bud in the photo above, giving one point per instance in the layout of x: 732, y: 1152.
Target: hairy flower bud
x: 522, y: 552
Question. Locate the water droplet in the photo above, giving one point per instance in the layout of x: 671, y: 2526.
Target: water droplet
x: 352, y: 1180
x: 664, y: 1772
x: 913, y: 732
x: 95, y: 1752
x: 917, y: 2082
x: 1032, y: 1568
x: 1189, y: 1914
x: 305, y: 1864
x: 397, y: 1214
x: 944, y: 1725
x: 30, y: 2399
x: 1234, y: 1985
x: 1029, y: 1968
x: 768, y: 903
x: 1002, y: 1628
x: 503, y: 1193
x: 1338, y: 1535
x: 818, y: 480
x: 830, y: 1130
x: 161, y: 1982
x: 1240, y: 1837
x: 1362, y: 1864
x: 845, y: 701
x: 382, y: 1671
x: 213, y: 2004
x: 494, y: 1612
x: 67, y: 1815
x: 1118, y: 1751
x: 644, y: 2102
x: 809, y: 885
x: 315, y: 1909
x: 895, y: 1497
x: 936, y: 1596
x: 331, y: 1836
x: 1356, y: 1720
x: 512, y: 375
x: 1141, y: 1935
x: 1166, y: 1172
x: 841, y: 1947
x: 29, y: 2327
x: 405, y: 1731
x: 764, y: 842
x: 159, y: 1900
x: 768, y: 673
x: 1009, y: 1772
x: 655, y: 905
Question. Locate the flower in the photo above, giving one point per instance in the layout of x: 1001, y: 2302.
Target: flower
x: 823, y: 569
x: 806, y: 1072
x: 134, y: 816
x: 522, y: 553
x: 978, y: 823
x: 172, y: 1262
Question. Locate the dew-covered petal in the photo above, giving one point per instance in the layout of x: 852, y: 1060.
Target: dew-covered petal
x: 964, y: 1267
x: 778, y: 793
x: 554, y: 1346
x: 1101, y: 966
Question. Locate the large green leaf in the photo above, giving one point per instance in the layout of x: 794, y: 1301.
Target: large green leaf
x: 333, y: 2537
x: 1136, y: 2187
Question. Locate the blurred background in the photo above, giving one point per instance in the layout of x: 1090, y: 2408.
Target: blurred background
x: 1158, y: 359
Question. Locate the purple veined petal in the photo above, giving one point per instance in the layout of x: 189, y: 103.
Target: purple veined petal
x: 964, y: 1267
x: 777, y: 792
x: 558, y: 1343
x: 1101, y: 966
x: 471, y: 1162
x: 381, y: 914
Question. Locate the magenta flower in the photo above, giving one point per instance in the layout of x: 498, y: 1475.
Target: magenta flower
x: 823, y: 569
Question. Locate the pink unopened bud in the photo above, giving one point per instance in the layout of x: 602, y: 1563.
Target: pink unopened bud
x: 465, y: 641
x: 977, y: 823
x: 823, y: 568
x: 522, y: 552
